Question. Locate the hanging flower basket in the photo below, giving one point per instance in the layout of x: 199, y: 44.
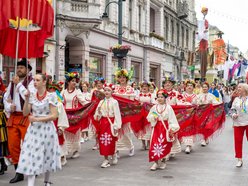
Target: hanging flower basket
x: 120, y: 51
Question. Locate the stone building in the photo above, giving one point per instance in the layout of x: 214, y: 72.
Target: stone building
x: 161, y: 33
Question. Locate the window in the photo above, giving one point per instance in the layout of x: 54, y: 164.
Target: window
x: 178, y: 35
x: 39, y: 65
x: 166, y: 28
x: 96, y: 67
x: 152, y: 20
x: 130, y: 15
x: 137, y: 72
x: 172, y: 31
x: 154, y: 75
x: 8, y: 69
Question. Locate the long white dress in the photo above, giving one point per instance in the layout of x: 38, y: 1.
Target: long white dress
x: 71, y: 101
x: 40, y: 151
x: 125, y: 143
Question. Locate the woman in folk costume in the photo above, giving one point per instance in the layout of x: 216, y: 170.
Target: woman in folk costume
x: 206, y: 98
x: 3, y: 131
x: 189, y: 98
x: 61, y: 122
x: 164, y: 125
x: 84, y: 87
x: 108, y: 113
x: 172, y: 99
x: 73, y: 97
x: 40, y: 153
x: 239, y: 114
x: 99, y: 82
x: 126, y: 91
x: 153, y: 89
x: 145, y: 97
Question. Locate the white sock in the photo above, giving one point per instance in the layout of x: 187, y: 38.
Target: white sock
x: 31, y: 180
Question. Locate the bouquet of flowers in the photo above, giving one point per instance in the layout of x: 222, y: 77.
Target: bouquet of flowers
x: 120, y: 47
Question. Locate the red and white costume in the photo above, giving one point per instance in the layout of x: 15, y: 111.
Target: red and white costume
x: 125, y: 142
x: 206, y: 98
x: 72, y: 101
x: 159, y: 146
x: 108, y: 112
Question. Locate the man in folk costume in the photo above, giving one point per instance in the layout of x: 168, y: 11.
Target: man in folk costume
x: 13, y: 104
x: 145, y: 97
x: 164, y: 126
x: 172, y: 99
x: 73, y: 97
x: 189, y: 98
x: 109, y: 117
x: 126, y: 91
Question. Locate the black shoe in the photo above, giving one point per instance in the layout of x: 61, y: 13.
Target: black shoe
x: 4, y: 167
x: 18, y: 177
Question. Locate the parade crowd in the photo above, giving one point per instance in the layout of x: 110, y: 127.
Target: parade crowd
x: 43, y: 122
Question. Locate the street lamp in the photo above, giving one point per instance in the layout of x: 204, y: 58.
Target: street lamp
x: 105, y: 15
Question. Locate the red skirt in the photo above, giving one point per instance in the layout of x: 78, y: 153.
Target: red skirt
x: 106, y: 140
x: 159, y: 147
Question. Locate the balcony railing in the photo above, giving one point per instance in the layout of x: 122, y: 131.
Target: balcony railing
x: 77, y: 9
x: 156, y: 43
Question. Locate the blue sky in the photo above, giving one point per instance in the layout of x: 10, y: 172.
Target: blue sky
x: 229, y: 16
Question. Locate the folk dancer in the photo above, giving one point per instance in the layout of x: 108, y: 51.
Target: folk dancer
x: 109, y: 117
x: 164, y: 126
x: 13, y: 103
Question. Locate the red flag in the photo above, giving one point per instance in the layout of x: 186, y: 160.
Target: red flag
x: 40, y: 25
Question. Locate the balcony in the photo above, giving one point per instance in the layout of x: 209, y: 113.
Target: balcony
x: 79, y: 14
x: 156, y: 43
x: 183, y: 10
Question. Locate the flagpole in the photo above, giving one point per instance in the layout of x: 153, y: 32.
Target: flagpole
x: 27, y: 42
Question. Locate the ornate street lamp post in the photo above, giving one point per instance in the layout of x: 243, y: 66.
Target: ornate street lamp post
x: 105, y: 15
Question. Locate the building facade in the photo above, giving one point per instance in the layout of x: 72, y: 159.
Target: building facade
x: 161, y: 34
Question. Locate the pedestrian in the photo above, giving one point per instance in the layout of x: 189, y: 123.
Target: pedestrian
x: 109, y: 117
x: 213, y: 90
x: 40, y: 152
x: 17, y: 124
x: 164, y: 126
x: 73, y: 97
x: 226, y: 99
x: 240, y: 120
x: 3, y: 131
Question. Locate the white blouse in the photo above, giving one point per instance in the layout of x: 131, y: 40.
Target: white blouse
x: 240, y: 106
x: 146, y: 98
x: 172, y: 98
x: 167, y: 114
x: 86, y: 97
x: 125, y: 92
x: 206, y: 98
x: 109, y: 108
x: 71, y: 99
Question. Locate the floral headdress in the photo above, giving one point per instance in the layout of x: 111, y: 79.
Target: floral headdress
x: 189, y: 81
x: 141, y: 84
x: 109, y: 85
x: 125, y: 73
x: 55, y: 86
x: 99, y: 79
x: 163, y: 92
x: 71, y: 75
x: 204, y: 9
x: 120, y: 47
x: 168, y: 78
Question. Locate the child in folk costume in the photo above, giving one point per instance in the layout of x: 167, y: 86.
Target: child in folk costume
x: 108, y: 113
x: 172, y: 99
x: 153, y: 89
x: 189, y: 98
x: 126, y: 91
x: 145, y: 97
x: 72, y: 97
x: 164, y: 125
x: 84, y: 87
x: 206, y: 98
x: 99, y: 82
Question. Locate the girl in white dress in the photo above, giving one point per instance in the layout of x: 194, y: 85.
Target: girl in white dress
x: 40, y: 151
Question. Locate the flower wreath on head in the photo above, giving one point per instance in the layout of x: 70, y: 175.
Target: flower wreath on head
x: 163, y: 92
x: 99, y: 79
x: 71, y: 75
x: 125, y: 73
x: 141, y: 84
x: 169, y: 78
x: 109, y: 85
x: 56, y: 86
x: 189, y: 81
